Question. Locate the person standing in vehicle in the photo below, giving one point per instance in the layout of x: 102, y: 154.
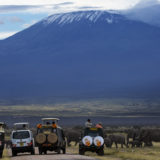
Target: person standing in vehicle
x: 88, y: 124
x: 99, y: 125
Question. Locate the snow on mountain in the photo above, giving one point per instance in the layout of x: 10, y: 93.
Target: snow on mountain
x: 92, y: 16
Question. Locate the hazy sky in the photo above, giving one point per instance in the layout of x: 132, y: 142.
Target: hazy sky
x: 16, y: 15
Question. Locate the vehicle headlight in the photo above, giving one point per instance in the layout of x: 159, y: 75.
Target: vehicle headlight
x: 87, y: 141
x: 98, y: 141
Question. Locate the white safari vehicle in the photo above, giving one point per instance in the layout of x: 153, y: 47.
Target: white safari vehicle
x: 22, y: 139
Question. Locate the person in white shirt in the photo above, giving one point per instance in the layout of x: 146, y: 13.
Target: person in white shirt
x: 88, y: 123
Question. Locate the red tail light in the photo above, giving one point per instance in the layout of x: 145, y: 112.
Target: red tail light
x: 13, y: 145
x: 30, y: 144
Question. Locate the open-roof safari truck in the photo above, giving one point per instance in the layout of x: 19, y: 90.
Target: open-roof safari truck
x: 92, y: 140
x: 2, y: 134
x: 50, y: 136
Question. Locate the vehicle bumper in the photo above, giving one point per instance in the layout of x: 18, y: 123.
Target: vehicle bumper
x: 91, y: 148
x: 23, y: 149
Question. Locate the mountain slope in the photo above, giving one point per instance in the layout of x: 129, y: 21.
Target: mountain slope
x: 90, y: 53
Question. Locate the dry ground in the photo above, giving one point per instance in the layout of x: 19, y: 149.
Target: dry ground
x: 144, y: 153
x: 49, y: 156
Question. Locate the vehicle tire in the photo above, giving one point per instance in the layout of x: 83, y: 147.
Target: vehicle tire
x: 100, y: 152
x: 58, y: 151
x: 1, y: 152
x: 45, y: 152
x: 33, y: 152
x: 81, y: 151
x: 64, y: 150
x: 40, y: 150
x: 14, y: 153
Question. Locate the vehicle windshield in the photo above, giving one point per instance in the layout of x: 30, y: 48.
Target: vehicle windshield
x: 21, y: 135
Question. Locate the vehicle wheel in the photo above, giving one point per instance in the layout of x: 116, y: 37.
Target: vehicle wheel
x: 1, y: 152
x: 45, y: 152
x: 33, y: 152
x: 40, y: 150
x: 14, y: 153
x: 100, y: 152
x: 58, y: 151
x: 64, y: 150
x: 81, y: 151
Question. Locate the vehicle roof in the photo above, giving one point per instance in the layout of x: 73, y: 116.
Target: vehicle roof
x: 53, y: 119
x: 2, y: 123
x: 21, y: 123
x: 21, y: 130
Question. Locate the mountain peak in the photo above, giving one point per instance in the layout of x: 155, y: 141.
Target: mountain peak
x: 92, y: 16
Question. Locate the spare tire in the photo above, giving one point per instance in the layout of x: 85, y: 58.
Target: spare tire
x: 40, y: 138
x: 52, y: 138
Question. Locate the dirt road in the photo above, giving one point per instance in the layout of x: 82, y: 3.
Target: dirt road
x: 49, y: 156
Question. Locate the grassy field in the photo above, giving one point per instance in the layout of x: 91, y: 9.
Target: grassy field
x: 144, y: 153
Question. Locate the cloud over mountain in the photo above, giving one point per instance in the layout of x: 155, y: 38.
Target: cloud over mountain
x: 147, y: 11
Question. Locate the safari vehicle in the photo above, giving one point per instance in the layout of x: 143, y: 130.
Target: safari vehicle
x: 50, y: 136
x: 92, y: 140
x: 22, y: 139
x: 2, y: 134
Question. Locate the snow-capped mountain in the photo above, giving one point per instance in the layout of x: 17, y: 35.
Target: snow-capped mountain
x: 87, y: 53
x: 92, y: 16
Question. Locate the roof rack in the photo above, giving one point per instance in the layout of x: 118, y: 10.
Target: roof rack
x: 49, y: 120
x: 21, y: 125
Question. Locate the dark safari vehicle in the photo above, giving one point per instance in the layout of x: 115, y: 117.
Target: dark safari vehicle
x: 1, y: 138
x: 50, y: 136
x: 92, y: 140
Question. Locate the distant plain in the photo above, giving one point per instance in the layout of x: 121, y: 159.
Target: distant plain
x: 119, y: 111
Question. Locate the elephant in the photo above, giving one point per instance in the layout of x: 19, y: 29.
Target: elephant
x: 133, y: 134
x: 149, y: 135
x: 117, y: 139
x: 136, y: 143
x: 72, y: 135
x: 108, y: 142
